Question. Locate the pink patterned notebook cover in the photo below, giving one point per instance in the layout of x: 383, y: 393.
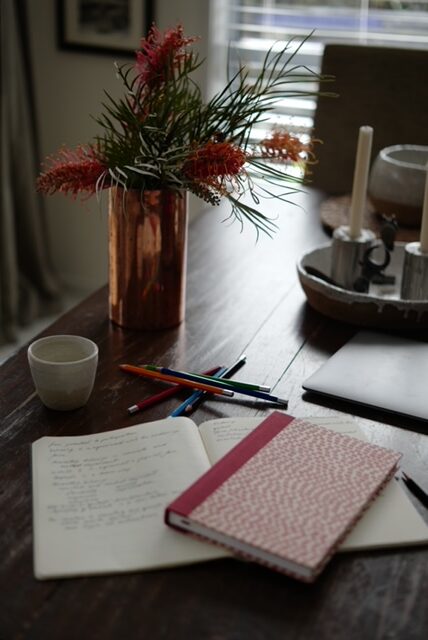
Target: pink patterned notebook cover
x: 287, y: 494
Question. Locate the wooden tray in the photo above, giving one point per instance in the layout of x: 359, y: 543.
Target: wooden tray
x: 381, y: 307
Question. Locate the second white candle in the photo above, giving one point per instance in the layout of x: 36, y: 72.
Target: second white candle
x: 424, y: 225
x: 359, y: 187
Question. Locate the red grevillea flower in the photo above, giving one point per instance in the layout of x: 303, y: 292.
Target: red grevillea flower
x: 160, y: 54
x: 72, y: 171
x: 214, y: 160
x: 284, y: 146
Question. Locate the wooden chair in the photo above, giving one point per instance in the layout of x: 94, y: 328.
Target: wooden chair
x: 386, y: 88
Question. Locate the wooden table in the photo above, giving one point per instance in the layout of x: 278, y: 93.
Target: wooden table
x: 242, y: 296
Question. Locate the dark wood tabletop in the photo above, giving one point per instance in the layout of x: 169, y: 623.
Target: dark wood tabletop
x: 242, y: 296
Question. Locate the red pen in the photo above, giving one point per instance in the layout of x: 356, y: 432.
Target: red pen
x: 163, y: 395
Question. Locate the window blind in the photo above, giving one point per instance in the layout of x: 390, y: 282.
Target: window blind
x: 251, y: 27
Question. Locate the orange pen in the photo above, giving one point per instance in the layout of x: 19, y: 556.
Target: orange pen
x: 141, y: 371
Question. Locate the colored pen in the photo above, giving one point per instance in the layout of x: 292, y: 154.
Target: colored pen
x: 216, y: 384
x: 198, y: 397
x: 140, y: 371
x: 183, y: 407
x: 197, y: 377
x: 166, y: 393
x: 415, y: 489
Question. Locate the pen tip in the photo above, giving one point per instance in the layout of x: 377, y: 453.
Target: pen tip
x: 133, y: 409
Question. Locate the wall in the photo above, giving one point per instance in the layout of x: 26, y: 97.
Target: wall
x: 69, y: 90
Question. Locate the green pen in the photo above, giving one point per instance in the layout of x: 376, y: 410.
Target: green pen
x: 197, y: 377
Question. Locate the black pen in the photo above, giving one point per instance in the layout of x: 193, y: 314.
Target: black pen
x: 415, y: 489
x: 195, y: 400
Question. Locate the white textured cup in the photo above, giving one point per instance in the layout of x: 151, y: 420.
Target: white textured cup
x: 63, y: 368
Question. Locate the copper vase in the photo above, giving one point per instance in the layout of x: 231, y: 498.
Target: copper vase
x: 147, y: 258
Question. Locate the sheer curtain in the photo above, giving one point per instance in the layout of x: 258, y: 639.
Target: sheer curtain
x: 28, y: 288
x: 253, y: 26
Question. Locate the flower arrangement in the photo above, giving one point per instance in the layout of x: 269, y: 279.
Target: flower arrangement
x: 162, y: 135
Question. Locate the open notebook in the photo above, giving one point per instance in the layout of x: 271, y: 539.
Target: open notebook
x: 378, y: 370
x: 99, y: 499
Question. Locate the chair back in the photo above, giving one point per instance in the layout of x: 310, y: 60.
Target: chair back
x: 386, y: 88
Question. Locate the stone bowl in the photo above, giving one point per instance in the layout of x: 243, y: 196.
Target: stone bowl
x: 397, y: 182
x: 380, y: 308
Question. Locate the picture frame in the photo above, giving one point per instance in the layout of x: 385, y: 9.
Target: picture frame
x: 113, y: 27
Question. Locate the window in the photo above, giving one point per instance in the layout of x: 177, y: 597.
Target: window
x: 253, y: 26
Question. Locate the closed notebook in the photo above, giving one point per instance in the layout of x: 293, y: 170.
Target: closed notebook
x: 286, y: 495
x: 378, y: 370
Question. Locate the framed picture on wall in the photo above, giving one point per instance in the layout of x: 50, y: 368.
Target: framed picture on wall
x: 103, y: 26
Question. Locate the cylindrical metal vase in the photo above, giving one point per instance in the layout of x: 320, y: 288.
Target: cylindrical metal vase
x: 147, y: 258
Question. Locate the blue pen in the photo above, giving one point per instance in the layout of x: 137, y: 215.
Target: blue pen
x: 236, y: 389
x: 197, y: 397
x: 187, y: 405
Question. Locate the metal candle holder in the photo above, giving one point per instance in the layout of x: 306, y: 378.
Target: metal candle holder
x: 347, y: 254
x: 414, y: 281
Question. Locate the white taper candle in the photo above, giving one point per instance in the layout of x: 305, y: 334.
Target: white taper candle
x: 359, y: 186
x: 424, y: 225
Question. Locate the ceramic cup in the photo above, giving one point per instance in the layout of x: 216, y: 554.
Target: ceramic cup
x: 397, y: 182
x: 63, y: 368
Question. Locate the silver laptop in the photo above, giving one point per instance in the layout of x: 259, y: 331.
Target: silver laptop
x: 378, y: 370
